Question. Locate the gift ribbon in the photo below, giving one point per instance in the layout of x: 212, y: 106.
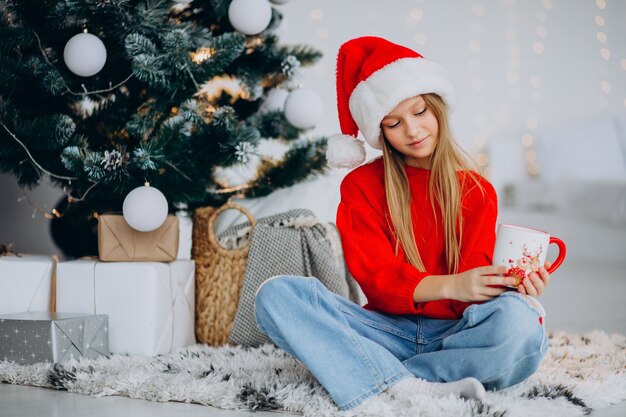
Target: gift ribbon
x: 177, y: 291
x: 53, y: 286
x: 173, y: 291
x: 6, y: 251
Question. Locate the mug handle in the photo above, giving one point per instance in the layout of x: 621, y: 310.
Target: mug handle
x: 561, y: 256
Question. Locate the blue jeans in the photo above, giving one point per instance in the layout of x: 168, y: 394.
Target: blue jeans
x: 356, y: 354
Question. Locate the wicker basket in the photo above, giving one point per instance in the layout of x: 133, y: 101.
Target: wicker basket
x: 219, y: 276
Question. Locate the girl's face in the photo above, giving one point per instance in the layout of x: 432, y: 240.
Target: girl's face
x: 412, y: 129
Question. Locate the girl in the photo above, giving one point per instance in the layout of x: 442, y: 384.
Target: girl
x: 418, y: 231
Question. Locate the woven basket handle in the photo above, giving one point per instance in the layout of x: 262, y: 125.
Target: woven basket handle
x: 212, y: 235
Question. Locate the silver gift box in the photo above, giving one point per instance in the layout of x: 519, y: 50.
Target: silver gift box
x: 32, y: 337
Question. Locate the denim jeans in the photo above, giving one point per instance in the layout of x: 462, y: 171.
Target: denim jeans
x: 356, y: 353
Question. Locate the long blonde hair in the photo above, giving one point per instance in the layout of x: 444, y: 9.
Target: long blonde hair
x: 445, y: 189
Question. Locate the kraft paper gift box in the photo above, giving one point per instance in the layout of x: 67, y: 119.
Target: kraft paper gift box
x: 32, y: 337
x: 118, y: 242
x: 150, y: 304
x: 26, y: 283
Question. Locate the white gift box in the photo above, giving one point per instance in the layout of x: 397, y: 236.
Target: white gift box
x: 25, y: 283
x: 150, y: 305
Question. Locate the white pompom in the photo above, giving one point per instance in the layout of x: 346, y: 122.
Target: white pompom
x: 344, y: 151
x: 85, y: 54
x: 145, y: 208
x: 250, y: 17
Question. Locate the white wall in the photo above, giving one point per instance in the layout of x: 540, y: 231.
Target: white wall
x: 504, y: 87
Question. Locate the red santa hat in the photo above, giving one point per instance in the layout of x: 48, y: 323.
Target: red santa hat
x: 373, y: 76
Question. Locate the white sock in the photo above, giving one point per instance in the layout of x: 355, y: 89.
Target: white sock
x: 466, y: 388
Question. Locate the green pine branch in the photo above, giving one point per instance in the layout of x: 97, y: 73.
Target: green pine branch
x: 45, y: 133
x: 307, y: 55
x: 142, y: 116
x: 302, y: 162
x: 273, y: 124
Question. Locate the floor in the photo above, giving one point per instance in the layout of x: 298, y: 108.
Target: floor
x: 582, y: 298
x: 18, y: 401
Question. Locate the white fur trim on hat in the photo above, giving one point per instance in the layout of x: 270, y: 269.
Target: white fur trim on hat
x: 344, y: 151
x: 373, y: 98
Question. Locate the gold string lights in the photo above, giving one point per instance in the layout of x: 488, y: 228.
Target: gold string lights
x: 535, y: 82
x: 323, y: 31
x: 481, y: 120
x: 413, y: 20
x: 513, y: 64
x: 605, y: 54
x: 202, y: 55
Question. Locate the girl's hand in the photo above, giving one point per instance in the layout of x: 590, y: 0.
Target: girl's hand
x: 535, y: 284
x: 479, y: 284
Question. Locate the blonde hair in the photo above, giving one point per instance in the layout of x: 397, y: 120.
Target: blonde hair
x: 444, y: 188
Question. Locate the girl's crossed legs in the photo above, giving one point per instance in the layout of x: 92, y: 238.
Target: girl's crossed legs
x: 356, y: 353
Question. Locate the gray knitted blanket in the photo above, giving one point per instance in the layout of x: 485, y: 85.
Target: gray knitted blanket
x: 291, y: 243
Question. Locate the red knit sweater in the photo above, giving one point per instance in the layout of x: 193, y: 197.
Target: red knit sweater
x: 387, y: 280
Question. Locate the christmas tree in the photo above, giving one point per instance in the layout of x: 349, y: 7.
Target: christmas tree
x: 99, y: 96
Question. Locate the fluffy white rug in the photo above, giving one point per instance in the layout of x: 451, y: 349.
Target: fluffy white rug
x: 579, y: 374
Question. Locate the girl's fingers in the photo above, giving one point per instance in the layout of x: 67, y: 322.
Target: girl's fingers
x: 494, y: 292
x: 491, y: 270
x: 521, y: 289
x: 537, y: 283
x: 500, y: 280
x: 545, y: 276
x: 529, y: 287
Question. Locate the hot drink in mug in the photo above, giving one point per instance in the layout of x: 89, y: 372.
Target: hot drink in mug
x: 523, y: 250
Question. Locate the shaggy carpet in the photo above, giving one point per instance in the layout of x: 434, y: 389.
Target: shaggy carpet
x: 579, y: 374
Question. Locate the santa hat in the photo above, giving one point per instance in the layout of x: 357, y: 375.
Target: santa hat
x: 373, y: 76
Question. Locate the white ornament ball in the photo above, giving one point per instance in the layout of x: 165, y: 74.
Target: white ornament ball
x: 145, y: 208
x: 85, y: 54
x: 250, y: 17
x: 303, y: 108
x: 275, y: 100
x: 279, y: 1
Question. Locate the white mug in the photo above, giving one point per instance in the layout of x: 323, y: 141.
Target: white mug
x: 523, y: 250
